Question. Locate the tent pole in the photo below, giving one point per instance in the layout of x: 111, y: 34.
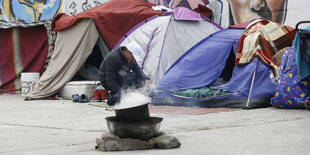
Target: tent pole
x: 251, y: 88
x: 250, y: 92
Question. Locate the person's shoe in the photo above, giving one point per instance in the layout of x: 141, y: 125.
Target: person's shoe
x: 83, y: 98
x: 307, y: 103
x: 75, y: 98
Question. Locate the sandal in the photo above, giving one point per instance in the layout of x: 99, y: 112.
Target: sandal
x: 75, y: 98
x: 83, y: 98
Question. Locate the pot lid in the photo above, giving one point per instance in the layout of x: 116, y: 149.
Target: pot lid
x: 132, y: 99
x: 127, y: 106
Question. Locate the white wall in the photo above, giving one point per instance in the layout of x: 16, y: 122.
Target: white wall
x: 298, y: 10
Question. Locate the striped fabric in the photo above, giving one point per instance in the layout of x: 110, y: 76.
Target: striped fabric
x: 263, y: 39
x: 22, y: 49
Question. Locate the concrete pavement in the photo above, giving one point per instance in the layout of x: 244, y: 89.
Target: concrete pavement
x: 63, y: 127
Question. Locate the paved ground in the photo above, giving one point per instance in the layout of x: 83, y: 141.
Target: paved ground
x: 63, y: 127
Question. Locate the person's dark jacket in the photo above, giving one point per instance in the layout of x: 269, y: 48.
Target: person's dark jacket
x: 114, y: 66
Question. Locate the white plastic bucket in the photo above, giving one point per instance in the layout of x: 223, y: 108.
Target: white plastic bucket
x: 28, y: 81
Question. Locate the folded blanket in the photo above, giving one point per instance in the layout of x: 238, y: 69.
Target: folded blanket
x: 264, y: 38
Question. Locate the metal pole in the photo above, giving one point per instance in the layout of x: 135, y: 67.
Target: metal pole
x: 252, y: 83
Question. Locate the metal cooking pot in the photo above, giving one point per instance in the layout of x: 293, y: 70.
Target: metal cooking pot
x: 133, y: 114
x: 143, y: 130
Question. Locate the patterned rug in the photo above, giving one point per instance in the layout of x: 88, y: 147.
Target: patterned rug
x: 172, y: 109
x: 187, y: 110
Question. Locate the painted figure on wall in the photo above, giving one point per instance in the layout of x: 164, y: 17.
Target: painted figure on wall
x: 242, y: 11
x: 29, y: 10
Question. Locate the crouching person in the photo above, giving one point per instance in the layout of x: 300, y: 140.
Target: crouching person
x: 119, y: 70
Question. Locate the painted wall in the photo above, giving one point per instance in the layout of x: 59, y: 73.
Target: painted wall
x: 71, y: 7
x: 229, y: 12
x: 226, y: 12
x: 28, y: 10
x: 288, y: 12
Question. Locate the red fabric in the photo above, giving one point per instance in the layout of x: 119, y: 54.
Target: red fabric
x: 113, y: 19
x: 7, y: 72
x: 29, y: 57
x: 203, y: 10
x: 264, y: 39
x: 34, y: 48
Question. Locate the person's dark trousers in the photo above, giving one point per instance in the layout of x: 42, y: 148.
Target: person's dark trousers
x: 113, y: 99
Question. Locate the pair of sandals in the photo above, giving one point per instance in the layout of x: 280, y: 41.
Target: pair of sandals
x: 81, y: 99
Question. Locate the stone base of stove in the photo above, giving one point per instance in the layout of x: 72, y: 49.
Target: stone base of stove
x: 111, y: 142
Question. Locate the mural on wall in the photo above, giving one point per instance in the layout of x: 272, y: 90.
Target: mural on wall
x: 77, y: 6
x: 241, y: 11
x: 28, y: 10
x: 231, y: 12
x: 225, y: 12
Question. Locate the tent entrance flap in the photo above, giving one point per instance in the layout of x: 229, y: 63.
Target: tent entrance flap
x: 72, y: 48
x: 89, y: 70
